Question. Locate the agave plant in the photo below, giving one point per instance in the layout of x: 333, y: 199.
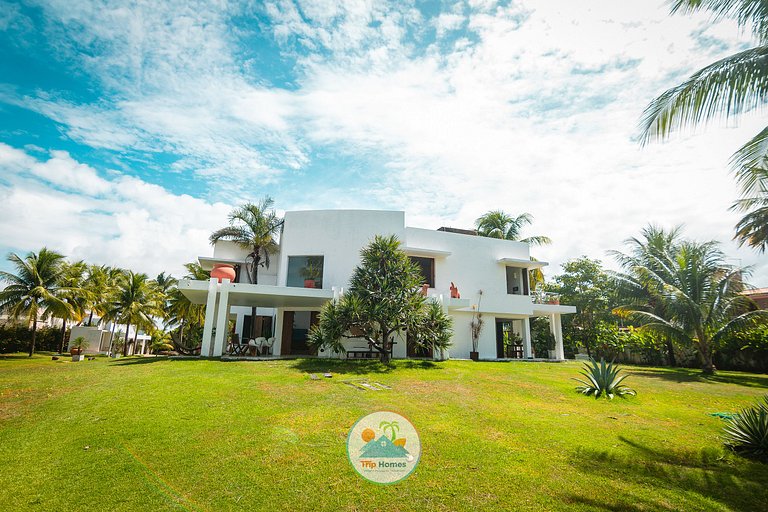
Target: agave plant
x: 602, y: 379
x: 747, y: 432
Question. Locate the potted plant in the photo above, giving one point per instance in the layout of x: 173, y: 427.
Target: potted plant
x: 311, y: 273
x: 475, y: 328
x: 77, y: 347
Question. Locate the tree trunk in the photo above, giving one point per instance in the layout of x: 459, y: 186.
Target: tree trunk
x: 708, y: 366
x: 671, y: 352
x: 34, y: 335
x: 256, y: 261
x: 135, y: 338
x: 127, y: 337
x: 63, y: 335
x: 90, y: 318
x: 111, y: 338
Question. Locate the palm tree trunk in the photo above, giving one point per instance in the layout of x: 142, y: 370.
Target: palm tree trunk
x: 127, y: 337
x: 671, y: 352
x: 63, y: 335
x: 90, y: 318
x: 111, y: 338
x: 708, y: 366
x: 34, y: 335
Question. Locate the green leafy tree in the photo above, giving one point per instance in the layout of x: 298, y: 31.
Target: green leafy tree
x: 689, y: 294
x: 725, y: 89
x: 585, y: 284
x: 254, y: 227
x: 383, y: 301
x: 35, y: 290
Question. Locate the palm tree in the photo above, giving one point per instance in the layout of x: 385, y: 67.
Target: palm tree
x: 182, y: 313
x: 253, y: 227
x: 71, y: 276
x: 726, y: 88
x: 392, y: 426
x: 134, y: 302
x: 688, y: 293
x: 498, y: 224
x: 34, y: 290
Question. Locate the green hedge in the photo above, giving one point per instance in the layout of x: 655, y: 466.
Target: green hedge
x: 16, y: 338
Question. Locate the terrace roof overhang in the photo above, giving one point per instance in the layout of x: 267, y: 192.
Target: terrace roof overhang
x: 519, y: 262
x: 258, y: 295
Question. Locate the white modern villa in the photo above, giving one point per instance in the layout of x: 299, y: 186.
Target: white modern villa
x: 317, y: 254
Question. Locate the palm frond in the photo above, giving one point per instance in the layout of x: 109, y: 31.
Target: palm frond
x: 728, y: 87
x: 747, y: 13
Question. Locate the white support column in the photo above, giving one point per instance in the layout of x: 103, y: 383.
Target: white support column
x: 210, y: 317
x: 527, y: 338
x: 559, y: 351
x: 222, y: 320
x: 277, y: 347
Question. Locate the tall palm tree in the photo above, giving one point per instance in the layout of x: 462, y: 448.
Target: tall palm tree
x: 99, y: 282
x: 34, y: 291
x: 498, y: 224
x: 136, y: 303
x: 726, y: 88
x: 254, y: 227
x: 182, y: 314
x: 688, y: 293
x: 71, y: 280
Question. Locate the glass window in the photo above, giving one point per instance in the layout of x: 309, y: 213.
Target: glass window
x: 514, y: 281
x: 427, y: 269
x: 305, y: 271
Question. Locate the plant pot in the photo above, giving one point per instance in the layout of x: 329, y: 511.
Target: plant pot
x: 309, y: 283
x: 75, y: 351
x: 475, y: 356
x: 77, y: 357
x: 224, y: 271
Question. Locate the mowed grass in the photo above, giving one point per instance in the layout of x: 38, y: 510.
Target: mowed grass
x: 157, y: 434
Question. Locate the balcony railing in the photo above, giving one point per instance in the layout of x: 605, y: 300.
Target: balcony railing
x: 539, y: 297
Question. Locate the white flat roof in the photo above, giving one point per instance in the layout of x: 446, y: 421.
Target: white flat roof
x: 259, y: 295
x: 519, y: 262
x: 207, y: 262
x: 420, y: 251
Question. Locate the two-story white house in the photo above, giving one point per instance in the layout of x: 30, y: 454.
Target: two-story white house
x: 317, y: 254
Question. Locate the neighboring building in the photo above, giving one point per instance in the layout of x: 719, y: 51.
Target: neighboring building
x: 99, y: 339
x: 759, y: 295
x: 284, y: 306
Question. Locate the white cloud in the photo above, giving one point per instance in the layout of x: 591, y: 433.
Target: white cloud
x: 123, y: 221
x: 533, y: 109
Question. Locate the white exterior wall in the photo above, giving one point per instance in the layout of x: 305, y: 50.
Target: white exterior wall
x: 471, y: 262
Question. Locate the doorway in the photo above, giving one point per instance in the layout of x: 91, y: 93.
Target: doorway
x: 509, y: 341
x: 296, y: 326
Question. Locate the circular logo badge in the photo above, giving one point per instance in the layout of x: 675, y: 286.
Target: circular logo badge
x: 383, y: 447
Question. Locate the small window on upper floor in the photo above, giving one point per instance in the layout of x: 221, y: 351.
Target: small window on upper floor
x: 427, y: 269
x: 517, y: 281
x: 305, y: 271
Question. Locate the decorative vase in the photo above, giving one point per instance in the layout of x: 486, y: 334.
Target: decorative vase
x: 223, y: 271
x: 309, y: 283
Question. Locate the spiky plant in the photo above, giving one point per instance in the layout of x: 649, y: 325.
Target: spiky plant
x: 747, y: 432
x: 602, y: 379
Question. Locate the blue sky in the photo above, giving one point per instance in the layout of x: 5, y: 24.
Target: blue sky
x: 129, y: 129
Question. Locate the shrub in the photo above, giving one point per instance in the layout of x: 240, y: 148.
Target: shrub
x: 747, y: 432
x: 602, y: 379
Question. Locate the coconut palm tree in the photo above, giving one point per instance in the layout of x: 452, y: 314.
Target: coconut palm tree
x: 688, y: 293
x: 254, y: 227
x: 135, y: 302
x: 498, y: 224
x: 182, y: 314
x: 392, y: 426
x: 724, y: 89
x: 34, y: 291
x: 71, y: 280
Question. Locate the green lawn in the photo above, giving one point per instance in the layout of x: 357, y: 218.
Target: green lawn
x: 159, y: 434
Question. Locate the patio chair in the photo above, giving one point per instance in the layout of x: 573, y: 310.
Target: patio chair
x: 259, y: 345
x: 270, y: 344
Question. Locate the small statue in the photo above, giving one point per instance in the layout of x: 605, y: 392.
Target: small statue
x: 424, y: 289
x: 455, y: 291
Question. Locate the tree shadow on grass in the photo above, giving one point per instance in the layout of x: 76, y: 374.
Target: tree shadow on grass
x: 690, y: 375
x: 345, y: 366
x: 127, y: 361
x: 707, y: 474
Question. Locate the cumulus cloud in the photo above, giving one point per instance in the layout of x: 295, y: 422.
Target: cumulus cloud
x: 116, y: 220
x: 531, y: 106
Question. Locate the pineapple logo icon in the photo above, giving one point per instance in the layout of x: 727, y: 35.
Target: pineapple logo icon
x: 383, y: 447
